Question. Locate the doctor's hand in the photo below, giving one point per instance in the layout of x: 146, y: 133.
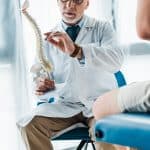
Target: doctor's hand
x: 44, y: 85
x: 61, y: 40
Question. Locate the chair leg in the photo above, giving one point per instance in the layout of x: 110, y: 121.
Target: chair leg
x: 83, y: 142
x: 80, y: 146
x: 93, y: 146
x: 86, y: 145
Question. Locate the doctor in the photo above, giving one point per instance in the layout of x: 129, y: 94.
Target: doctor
x: 85, y: 56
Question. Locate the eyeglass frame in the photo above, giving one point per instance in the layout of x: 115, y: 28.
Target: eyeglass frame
x: 75, y: 1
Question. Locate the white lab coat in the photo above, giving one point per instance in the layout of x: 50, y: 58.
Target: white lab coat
x: 78, y: 85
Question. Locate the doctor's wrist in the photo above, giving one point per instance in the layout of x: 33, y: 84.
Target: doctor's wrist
x: 77, y: 53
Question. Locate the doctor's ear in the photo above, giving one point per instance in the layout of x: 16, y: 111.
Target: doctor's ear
x: 87, y: 4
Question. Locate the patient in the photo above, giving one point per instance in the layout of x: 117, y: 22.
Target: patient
x: 133, y: 97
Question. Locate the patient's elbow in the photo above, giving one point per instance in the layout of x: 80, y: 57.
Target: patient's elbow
x: 143, y: 30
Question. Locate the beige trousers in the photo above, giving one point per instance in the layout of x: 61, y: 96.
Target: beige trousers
x: 38, y: 132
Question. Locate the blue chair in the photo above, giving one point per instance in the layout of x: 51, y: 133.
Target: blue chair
x: 128, y: 129
x: 78, y: 133
x: 81, y: 132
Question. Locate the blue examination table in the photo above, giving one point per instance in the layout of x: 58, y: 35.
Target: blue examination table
x: 129, y: 129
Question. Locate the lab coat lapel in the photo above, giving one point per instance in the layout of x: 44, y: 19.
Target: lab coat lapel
x: 84, y: 32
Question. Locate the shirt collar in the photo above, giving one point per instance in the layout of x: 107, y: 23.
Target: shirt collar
x: 80, y: 23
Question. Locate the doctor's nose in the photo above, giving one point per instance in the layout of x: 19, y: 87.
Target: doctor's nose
x: 70, y: 4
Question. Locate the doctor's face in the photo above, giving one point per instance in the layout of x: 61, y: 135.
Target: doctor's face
x: 72, y: 10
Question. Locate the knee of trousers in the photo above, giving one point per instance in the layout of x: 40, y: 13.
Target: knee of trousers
x: 29, y: 127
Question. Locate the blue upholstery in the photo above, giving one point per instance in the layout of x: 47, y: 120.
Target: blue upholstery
x: 75, y: 134
x: 130, y: 129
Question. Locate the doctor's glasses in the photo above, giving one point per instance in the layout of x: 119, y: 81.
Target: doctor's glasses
x: 78, y: 2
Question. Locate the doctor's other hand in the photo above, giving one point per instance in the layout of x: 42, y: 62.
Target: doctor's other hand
x: 44, y: 85
x: 60, y: 40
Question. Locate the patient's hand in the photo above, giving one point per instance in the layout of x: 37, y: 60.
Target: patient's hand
x: 44, y: 85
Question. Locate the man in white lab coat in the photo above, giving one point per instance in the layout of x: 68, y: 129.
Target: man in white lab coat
x: 85, y: 56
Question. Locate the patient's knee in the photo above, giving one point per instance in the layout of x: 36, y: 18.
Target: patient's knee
x: 106, y: 105
x: 97, y: 108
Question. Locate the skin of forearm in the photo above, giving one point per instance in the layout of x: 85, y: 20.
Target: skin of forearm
x: 143, y: 19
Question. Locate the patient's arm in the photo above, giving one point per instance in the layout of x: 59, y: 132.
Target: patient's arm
x: 143, y: 19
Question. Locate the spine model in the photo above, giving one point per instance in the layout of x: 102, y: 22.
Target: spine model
x: 43, y: 66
